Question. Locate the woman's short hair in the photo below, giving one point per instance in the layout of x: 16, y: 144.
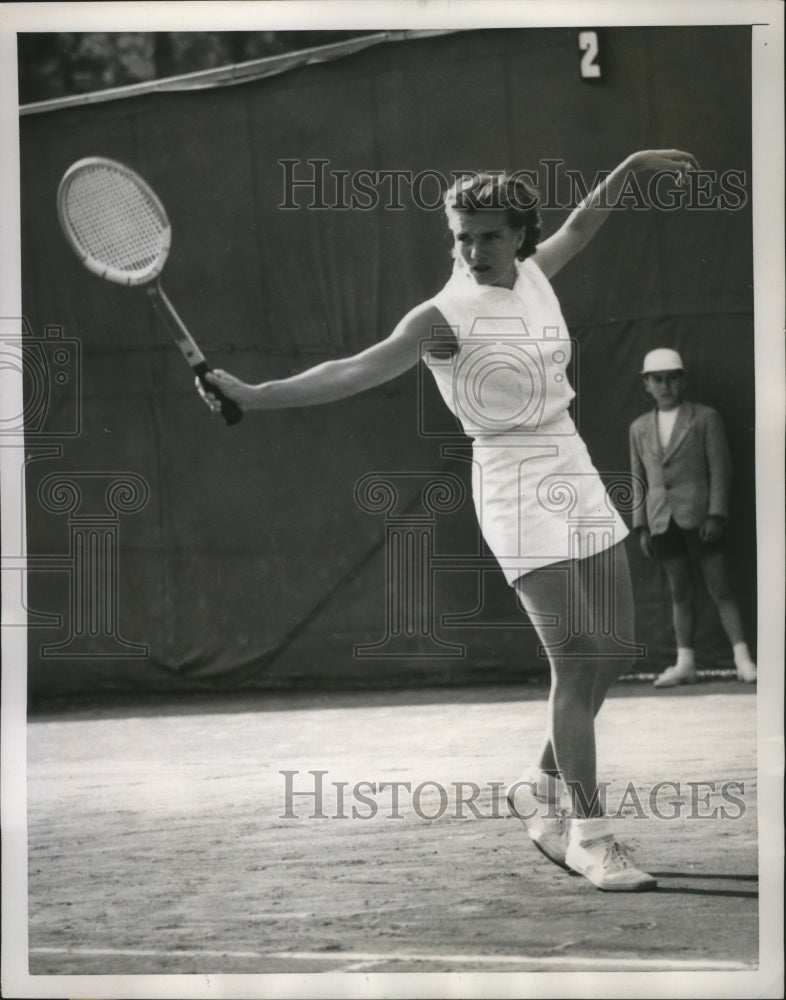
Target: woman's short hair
x: 511, y: 193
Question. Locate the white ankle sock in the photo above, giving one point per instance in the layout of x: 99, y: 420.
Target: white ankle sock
x: 583, y: 830
x: 685, y: 659
x: 742, y: 654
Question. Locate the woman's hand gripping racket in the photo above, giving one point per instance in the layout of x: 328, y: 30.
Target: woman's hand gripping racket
x: 120, y: 231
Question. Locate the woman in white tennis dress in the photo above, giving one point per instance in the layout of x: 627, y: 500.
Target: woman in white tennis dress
x: 496, y: 342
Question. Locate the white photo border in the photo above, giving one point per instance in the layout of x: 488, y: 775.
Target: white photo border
x: 766, y: 16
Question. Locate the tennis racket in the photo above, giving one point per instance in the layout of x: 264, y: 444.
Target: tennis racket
x: 119, y: 229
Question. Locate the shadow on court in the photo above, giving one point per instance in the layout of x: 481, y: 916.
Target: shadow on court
x: 535, y: 688
x: 664, y: 887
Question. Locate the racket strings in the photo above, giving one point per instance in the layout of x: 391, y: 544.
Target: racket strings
x: 114, y: 221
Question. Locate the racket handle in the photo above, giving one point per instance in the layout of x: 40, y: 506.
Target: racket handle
x: 230, y: 411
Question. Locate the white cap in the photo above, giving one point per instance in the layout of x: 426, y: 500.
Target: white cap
x: 662, y: 359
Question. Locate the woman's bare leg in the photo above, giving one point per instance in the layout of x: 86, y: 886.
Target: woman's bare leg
x: 585, y: 656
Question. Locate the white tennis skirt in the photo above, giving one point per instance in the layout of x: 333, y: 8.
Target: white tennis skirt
x: 540, y: 500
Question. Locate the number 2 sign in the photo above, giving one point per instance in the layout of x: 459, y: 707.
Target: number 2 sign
x: 588, y: 44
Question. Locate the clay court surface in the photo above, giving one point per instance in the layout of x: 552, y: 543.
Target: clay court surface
x: 158, y: 841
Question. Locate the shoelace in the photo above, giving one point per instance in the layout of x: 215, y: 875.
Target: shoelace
x: 561, y: 820
x: 617, y: 856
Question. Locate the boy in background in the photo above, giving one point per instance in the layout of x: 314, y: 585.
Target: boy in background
x: 679, y: 451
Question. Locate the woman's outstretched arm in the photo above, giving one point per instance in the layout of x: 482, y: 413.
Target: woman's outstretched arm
x: 339, y: 378
x: 587, y: 218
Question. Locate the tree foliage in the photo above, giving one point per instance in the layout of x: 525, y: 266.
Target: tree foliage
x: 55, y: 65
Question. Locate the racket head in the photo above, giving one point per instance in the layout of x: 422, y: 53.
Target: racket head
x: 113, y: 221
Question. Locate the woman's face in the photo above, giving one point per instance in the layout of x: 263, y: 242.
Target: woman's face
x: 487, y: 244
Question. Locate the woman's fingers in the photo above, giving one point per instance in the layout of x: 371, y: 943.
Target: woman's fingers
x: 218, y: 376
x: 670, y: 159
x: 211, y: 400
x: 684, y: 162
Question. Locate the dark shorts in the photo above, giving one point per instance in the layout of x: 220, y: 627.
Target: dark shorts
x: 676, y: 541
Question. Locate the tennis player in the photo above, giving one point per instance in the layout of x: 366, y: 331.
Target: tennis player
x: 679, y: 451
x: 527, y: 456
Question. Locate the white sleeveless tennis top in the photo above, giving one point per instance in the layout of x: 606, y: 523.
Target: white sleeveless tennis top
x: 509, y: 371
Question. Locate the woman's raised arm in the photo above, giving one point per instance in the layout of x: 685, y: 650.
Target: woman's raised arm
x: 585, y: 220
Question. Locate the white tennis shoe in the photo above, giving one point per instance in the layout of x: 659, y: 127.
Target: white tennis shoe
x: 746, y: 671
x: 546, y: 821
x: 607, y: 864
x: 675, y: 675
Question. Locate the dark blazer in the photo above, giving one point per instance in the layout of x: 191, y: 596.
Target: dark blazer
x: 689, y: 479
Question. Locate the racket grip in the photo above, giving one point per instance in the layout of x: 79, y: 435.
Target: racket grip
x: 230, y: 411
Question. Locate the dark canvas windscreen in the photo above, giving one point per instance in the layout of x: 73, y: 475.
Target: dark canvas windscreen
x: 189, y: 556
